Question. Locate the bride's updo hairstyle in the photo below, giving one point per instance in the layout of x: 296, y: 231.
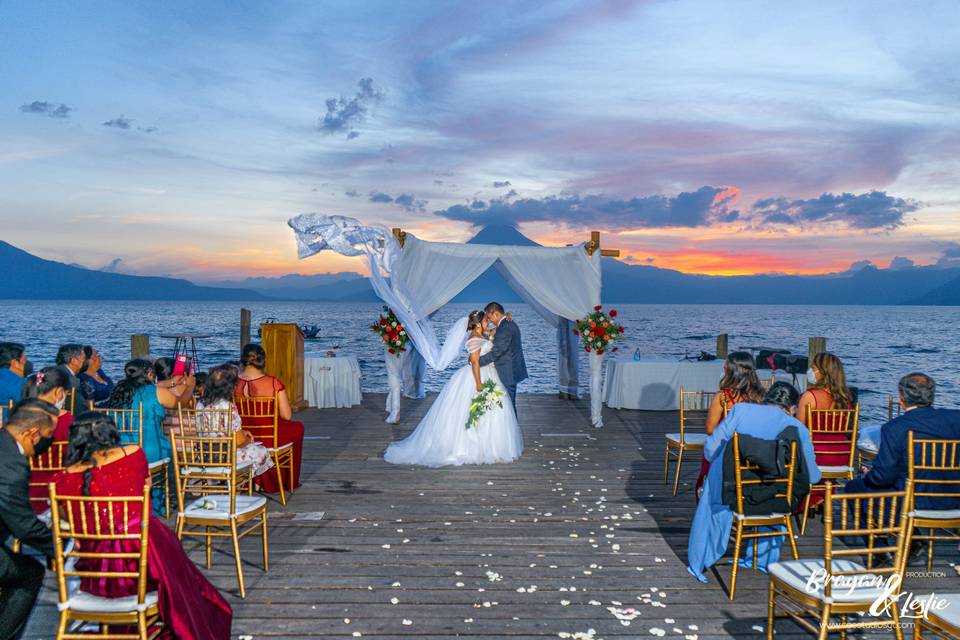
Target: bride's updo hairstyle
x: 475, y: 318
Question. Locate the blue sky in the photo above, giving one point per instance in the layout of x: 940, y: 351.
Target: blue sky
x: 711, y: 137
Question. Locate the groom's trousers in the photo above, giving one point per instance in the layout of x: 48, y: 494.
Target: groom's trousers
x: 512, y: 392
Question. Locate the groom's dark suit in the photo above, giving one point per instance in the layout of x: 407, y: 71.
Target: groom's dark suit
x: 507, y: 356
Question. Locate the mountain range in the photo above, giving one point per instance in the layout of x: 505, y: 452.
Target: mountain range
x: 27, y: 276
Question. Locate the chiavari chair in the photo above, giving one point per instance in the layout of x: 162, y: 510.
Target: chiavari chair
x: 260, y: 416
x: 692, y: 436
x: 831, y: 429
x: 924, y: 458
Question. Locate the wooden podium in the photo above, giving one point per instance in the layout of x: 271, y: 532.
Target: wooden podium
x: 283, y: 343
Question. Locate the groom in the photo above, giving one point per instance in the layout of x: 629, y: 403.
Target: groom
x: 507, y: 352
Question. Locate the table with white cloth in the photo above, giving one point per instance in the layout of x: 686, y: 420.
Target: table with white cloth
x: 653, y: 384
x: 331, y: 382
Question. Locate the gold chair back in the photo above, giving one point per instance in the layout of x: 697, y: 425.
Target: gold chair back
x: 260, y: 416
x: 88, y: 520
x: 50, y: 461
x: 941, y: 457
x: 826, y: 425
x: 70, y: 402
x: 129, y: 423
x: 204, y: 456
x: 693, y: 410
x: 5, y: 412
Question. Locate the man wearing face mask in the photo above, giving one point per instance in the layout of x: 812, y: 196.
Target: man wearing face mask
x: 73, y: 360
x: 21, y: 576
x: 13, y: 362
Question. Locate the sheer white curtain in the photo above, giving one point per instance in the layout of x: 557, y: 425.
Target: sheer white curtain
x: 421, y: 277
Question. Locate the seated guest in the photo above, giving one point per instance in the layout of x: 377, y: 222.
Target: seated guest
x: 21, y: 576
x: 98, y: 465
x: 889, y: 470
x: 97, y: 385
x: 710, y: 531
x: 826, y: 389
x: 72, y: 359
x: 218, y: 393
x: 739, y: 383
x: 13, y: 363
x: 51, y: 384
x: 138, y: 389
x: 254, y: 382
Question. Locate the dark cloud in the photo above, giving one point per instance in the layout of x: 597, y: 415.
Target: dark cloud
x: 860, y: 265
x: 408, y: 202
x: 344, y: 113
x: 148, y: 129
x: 405, y: 201
x: 899, y: 263
x: 510, y: 194
x: 113, y: 267
x: 352, y: 193
x: 119, y: 123
x: 500, y: 184
x: 48, y: 109
x: 687, y: 209
x: 952, y: 250
x: 873, y: 210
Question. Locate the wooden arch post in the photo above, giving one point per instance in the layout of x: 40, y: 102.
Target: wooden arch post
x: 594, y: 245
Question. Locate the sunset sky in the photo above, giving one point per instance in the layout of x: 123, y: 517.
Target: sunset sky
x: 712, y: 137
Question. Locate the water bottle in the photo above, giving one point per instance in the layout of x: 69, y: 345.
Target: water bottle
x: 636, y: 354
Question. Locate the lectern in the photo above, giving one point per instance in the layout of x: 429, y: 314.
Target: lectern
x: 283, y: 343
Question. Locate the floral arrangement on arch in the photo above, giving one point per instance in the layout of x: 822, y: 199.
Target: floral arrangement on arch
x: 391, y: 331
x: 598, y: 330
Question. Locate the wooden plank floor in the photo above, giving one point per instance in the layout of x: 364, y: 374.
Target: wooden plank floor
x: 534, y: 549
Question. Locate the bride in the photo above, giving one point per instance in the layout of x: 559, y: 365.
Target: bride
x: 442, y: 437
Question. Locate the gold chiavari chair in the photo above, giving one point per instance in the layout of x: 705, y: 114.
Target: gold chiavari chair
x: 693, y: 415
x: 836, y: 586
x: 5, y: 412
x: 939, y: 622
x: 211, y: 422
x: 88, y: 520
x: 743, y: 522
x: 926, y: 457
x: 260, y: 416
x: 832, y: 432
x: 206, y: 466
x: 42, y: 468
x: 129, y: 423
x: 70, y: 402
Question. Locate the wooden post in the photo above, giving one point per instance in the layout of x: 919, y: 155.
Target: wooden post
x: 723, y: 350
x: 244, y: 327
x: 594, y: 245
x: 139, y: 346
x: 817, y: 344
x: 400, y: 235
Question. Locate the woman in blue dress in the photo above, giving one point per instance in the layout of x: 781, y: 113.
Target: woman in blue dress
x: 139, y: 388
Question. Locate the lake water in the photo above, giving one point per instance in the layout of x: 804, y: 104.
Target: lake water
x: 877, y: 344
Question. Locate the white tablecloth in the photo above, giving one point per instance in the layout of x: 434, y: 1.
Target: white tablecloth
x: 331, y: 382
x: 654, y: 384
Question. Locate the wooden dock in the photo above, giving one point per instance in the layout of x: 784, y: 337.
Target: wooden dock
x: 580, y: 527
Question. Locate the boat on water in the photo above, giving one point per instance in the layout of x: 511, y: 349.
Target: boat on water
x: 310, y: 331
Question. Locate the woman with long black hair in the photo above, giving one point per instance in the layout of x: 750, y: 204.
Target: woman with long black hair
x: 98, y: 464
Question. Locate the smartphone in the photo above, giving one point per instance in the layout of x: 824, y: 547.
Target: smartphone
x: 182, y: 363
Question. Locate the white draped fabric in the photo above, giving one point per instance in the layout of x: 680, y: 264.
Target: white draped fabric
x: 415, y: 281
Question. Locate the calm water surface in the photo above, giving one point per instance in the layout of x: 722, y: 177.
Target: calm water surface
x: 877, y: 344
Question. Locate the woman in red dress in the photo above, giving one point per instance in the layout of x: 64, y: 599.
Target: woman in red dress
x: 51, y: 385
x: 826, y: 389
x: 738, y: 384
x: 253, y: 382
x: 98, y: 465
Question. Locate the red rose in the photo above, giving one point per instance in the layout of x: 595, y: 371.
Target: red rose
x: 587, y: 349
x: 383, y: 322
x: 613, y: 313
x: 597, y: 308
x: 599, y: 352
x: 614, y: 350
x: 390, y: 350
x: 621, y: 329
x: 576, y: 332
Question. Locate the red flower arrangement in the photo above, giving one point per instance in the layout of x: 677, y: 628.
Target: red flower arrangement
x: 391, y: 331
x: 598, y: 330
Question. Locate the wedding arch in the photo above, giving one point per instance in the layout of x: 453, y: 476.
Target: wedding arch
x: 417, y: 277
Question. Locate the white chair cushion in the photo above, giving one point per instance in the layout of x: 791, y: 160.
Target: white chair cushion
x: 241, y: 467
x: 865, y: 587
x: 949, y: 614
x: 747, y: 519
x: 834, y: 469
x: 938, y: 514
x: 689, y: 438
x: 216, y: 507
x: 284, y: 447
x: 159, y: 463
x: 82, y: 601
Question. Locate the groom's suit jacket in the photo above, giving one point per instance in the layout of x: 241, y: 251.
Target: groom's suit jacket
x: 507, y: 354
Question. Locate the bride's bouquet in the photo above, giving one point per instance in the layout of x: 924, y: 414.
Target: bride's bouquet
x: 486, y: 400
x: 392, y: 333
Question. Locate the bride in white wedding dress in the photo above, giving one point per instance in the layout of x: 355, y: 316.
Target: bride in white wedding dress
x: 442, y: 437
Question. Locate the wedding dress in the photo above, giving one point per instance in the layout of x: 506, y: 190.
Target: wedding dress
x: 442, y: 438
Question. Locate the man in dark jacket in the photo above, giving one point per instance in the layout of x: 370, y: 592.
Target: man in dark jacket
x: 889, y: 470
x: 73, y: 361
x: 21, y: 576
x: 507, y: 352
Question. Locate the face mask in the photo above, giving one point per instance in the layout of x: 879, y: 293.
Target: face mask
x: 811, y: 377
x: 61, y: 403
x: 43, y: 445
